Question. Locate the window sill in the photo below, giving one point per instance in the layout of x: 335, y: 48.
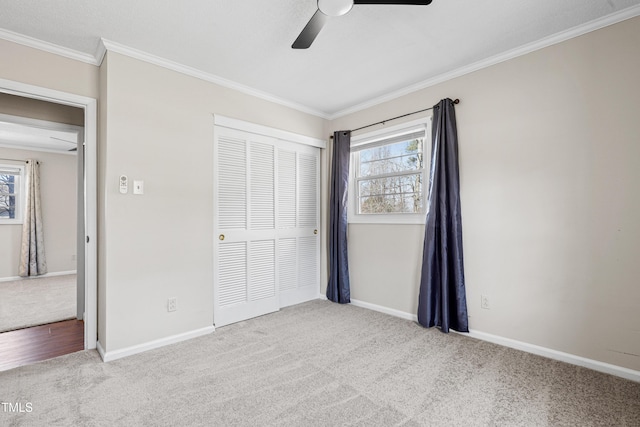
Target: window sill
x: 418, y: 219
x: 11, y: 222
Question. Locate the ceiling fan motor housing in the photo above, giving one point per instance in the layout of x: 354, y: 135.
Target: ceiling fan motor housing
x: 335, y: 7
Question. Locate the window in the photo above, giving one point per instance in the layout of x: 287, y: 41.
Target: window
x: 388, y: 175
x: 11, y: 193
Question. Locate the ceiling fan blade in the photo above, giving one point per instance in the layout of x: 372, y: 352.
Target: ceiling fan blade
x: 63, y: 140
x: 310, y: 31
x: 421, y: 3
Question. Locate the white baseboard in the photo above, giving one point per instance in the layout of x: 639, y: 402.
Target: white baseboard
x: 596, y: 365
x: 60, y: 273
x: 100, y: 350
x: 386, y: 310
x: 57, y: 273
x: 109, y: 356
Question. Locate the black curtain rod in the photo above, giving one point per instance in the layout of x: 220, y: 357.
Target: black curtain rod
x: 456, y: 101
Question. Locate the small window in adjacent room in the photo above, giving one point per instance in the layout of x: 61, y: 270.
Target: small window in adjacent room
x: 388, y: 181
x: 11, y: 193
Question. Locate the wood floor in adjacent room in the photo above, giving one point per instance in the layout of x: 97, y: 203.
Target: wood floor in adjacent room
x: 30, y: 345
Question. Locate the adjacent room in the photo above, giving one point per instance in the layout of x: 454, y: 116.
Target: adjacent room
x: 322, y: 212
x: 39, y: 277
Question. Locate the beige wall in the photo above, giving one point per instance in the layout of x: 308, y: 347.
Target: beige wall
x: 549, y: 186
x: 41, y: 110
x: 159, y: 128
x: 35, y: 67
x: 58, y: 201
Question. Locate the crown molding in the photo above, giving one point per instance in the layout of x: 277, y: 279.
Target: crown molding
x: 107, y: 45
x: 175, y: 66
x: 560, y: 37
x: 47, y: 47
x: 101, y: 52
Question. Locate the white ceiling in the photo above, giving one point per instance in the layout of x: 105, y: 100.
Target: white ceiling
x: 30, y: 134
x: 371, y: 53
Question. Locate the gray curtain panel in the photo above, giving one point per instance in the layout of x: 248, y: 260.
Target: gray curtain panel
x: 442, y: 301
x: 32, y: 259
x: 338, y: 289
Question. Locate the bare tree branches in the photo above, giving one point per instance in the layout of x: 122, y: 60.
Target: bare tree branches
x: 7, y: 196
x: 391, y: 178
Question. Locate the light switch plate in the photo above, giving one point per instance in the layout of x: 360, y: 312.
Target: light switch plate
x: 138, y: 187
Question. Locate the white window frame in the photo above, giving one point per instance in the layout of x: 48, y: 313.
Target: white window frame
x: 20, y: 195
x: 371, y: 139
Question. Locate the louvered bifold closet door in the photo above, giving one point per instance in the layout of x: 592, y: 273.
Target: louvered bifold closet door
x: 245, y: 275
x: 298, y: 223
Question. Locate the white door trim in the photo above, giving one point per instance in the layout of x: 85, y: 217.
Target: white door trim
x: 89, y: 105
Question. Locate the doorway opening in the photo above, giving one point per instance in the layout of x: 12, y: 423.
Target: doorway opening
x: 76, y: 267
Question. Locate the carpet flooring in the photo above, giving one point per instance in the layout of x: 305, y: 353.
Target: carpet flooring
x: 37, y: 301
x: 319, y: 364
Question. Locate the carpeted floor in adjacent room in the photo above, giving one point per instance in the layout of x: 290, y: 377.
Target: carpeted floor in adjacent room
x: 36, y: 301
x: 320, y: 364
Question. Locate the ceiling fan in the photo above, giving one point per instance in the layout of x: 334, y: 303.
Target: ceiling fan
x: 327, y: 8
x: 75, y: 145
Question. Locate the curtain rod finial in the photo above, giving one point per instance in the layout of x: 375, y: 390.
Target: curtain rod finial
x: 456, y: 101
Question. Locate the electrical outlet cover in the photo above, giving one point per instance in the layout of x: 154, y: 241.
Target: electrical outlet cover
x: 484, y: 302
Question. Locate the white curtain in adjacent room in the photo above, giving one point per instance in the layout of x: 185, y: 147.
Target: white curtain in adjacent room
x: 32, y: 258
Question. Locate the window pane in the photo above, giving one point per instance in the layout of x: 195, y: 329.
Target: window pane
x: 7, y: 196
x: 399, y: 194
x: 392, y: 158
x: 391, y: 185
x: 403, y: 203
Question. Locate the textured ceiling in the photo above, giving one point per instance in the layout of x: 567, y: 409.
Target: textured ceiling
x: 370, y: 52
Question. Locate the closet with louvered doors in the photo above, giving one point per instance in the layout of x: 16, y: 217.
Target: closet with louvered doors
x: 266, y: 224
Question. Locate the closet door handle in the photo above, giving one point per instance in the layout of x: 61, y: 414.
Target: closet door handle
x: 221, y: 237
x: 315, y: 231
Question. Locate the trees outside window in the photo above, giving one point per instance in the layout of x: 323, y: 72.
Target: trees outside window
x: 10, y: 193
x: 390, y: 178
